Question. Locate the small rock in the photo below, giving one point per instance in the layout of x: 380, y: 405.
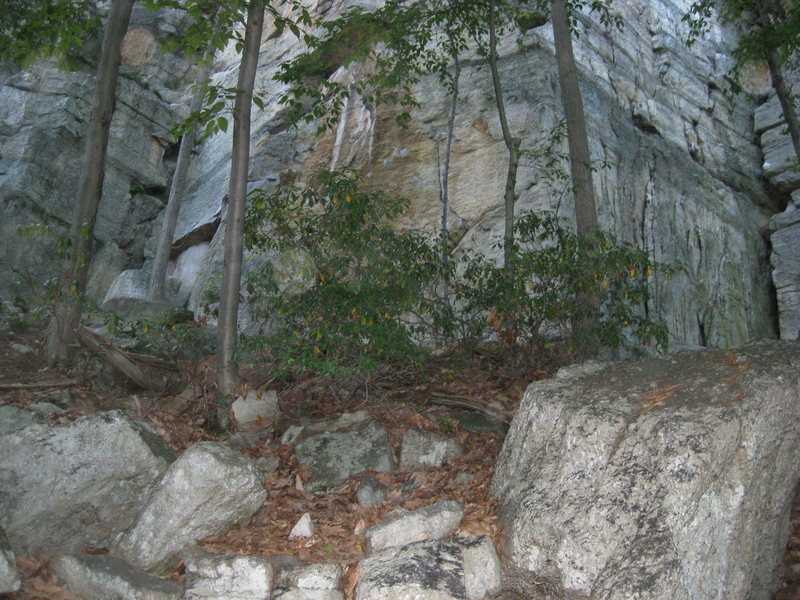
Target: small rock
x: 334, y: 457
x: 429, y: 522
x: 20, y: 349
x: 463, y: 479
x: 291, y: 434
x: 322, y: 576
x: 371, y: 492
x: 284, y: 593
x: 255, y: 407
x: 45, y: 408
x: 482, y: 570
x: 227, y: 577
x: 105, y: 576
x: 429, y: 449
x: 427, y: 570
x: 267, y: 465
x: 304, y: 528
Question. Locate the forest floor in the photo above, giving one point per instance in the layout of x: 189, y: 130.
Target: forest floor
x: 398, y: 400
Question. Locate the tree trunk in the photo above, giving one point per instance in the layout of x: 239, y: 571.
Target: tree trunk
x: 778, y: 83
x: 72, y: 281
x: 511, y: 142
x: 227, y: 368
x: 158, y: 277
x: 579, y: 158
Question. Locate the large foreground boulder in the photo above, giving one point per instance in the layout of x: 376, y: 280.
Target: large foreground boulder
x: 206, y: 490
x: 65, y: 488
x: 663, y: 478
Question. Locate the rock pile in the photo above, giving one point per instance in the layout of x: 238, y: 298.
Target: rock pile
x: 667, y: 477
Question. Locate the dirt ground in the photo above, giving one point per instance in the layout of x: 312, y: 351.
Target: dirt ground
x: 398, y: 401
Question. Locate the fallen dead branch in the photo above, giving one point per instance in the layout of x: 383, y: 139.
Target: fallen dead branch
x: 37, y: 385
x: 121, y: 361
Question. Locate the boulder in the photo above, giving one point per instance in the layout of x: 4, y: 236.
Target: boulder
x: 227, y: 577
x: 104, y: 577
x: 482, y: 569
x: 434, y: 521
x: 206, y: 490
x: 255, y: 407
x: 663, y: 478
x: 334, y: 457
x: 9, y: 575
x: 427, y: 570
x: 428, y: 449
x: 312, y: 582
x: 127, y: 297
x: 77, y: 485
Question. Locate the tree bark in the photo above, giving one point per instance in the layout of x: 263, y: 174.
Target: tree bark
x: 778, y: 83
x: 72, y: 281
x: 227, y: 368
x: 512, y: 143
x: 578, y: 139
x: 158, y: 277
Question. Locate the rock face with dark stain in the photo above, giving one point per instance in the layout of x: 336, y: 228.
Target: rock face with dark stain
x: 668, y: 477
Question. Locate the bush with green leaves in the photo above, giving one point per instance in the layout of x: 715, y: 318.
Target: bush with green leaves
x: 347, y: 292
x: 561, y: 287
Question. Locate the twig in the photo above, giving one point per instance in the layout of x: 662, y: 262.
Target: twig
x: 38, y: 385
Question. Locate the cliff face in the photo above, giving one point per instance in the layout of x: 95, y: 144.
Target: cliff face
x: 683, y: 175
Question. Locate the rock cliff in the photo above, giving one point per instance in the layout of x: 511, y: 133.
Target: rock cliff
x: 684, y: 173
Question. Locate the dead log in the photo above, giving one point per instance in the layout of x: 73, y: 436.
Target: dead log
x: 120, y: 361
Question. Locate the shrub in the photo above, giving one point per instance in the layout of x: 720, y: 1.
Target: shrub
x: 559, y: 286
x: 356, y: 294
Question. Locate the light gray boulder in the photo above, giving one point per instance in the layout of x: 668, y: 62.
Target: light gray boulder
x: 334, y: 457
x: 127, y: 297
x: 77, y: 485
x: 9, y: 575
x: 482, y: 569
x: 664, y: 478
x: 428, y: 449
x: 427, y: 570
x: 255, y: 406
x: 434, y: 521
x: 105, y: 577
x: 209, y: 488
x: 227, y: 577
x: 313, y: 582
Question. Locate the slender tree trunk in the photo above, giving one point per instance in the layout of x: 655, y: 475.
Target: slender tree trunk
x: 579, y: 158
x: 158, y: 277
x: 778, y: 83
x: 72, y: 281
x: 227, y: 369
x: 444, y: 194
x: 511, y: 142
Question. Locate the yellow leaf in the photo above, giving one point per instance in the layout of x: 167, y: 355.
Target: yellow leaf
x: 347, y: 198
